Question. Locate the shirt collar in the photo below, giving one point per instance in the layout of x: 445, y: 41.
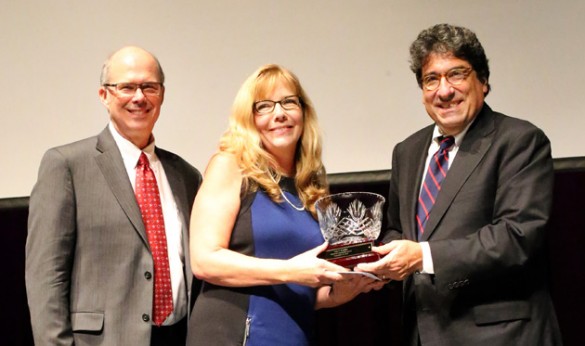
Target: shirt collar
x: 458, y: 137
x: 130, y: 152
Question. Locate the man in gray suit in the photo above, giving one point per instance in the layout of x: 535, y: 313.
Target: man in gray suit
x: 90, y: 271
x: 472, y: 255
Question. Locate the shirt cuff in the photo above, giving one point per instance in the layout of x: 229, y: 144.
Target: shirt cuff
x: 427, y: 259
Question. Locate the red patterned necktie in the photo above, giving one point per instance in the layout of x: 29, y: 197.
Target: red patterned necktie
x: 437, y: 171
x: 149, y: 202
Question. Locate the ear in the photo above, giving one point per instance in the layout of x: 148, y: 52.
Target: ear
x: 103, y: 94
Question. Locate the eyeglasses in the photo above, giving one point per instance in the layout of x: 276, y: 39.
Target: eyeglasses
x: 288, y: 103
x: 129, y: 89
x: 454, y: 76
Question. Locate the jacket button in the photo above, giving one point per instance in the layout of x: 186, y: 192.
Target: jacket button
x: 147, y: 275
x: 145, y: 317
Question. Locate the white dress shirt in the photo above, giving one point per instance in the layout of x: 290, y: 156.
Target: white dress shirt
x: 427, y: 261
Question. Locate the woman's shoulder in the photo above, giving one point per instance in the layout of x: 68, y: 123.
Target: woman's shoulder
x: 223, y: 161
x: 223, y: 167
x: 222, y: 183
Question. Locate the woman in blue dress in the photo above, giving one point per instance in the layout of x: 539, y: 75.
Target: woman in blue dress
x: 254, y: 235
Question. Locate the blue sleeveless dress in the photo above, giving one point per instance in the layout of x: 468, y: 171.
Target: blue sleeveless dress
x: 261, y: 315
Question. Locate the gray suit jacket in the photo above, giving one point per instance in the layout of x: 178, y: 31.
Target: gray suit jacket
x: 87, y: 255
x: 486, y: 232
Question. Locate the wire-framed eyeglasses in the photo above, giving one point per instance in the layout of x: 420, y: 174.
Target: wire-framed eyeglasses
x: 129, y: 89
x: 288, y: 103
x: 454, y: 76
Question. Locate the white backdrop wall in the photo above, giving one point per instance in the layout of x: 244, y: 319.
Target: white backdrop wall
x: 351, y: 56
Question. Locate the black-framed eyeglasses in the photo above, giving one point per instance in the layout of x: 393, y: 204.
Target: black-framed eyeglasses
x: 454, y: 76
x: 288, y: 103
x: 129, y: 89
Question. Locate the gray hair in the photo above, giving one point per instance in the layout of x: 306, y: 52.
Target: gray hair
x: 446, y: 39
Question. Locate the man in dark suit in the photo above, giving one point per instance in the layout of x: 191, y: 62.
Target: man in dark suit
x: 90, y: 268
x: 472, y: 256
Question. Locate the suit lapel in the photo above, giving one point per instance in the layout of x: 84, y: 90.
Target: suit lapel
x: 414, y: 174
x: 177, y: 183
x: 175, y: 178
x: 475, y: 145
x: 112, y: 167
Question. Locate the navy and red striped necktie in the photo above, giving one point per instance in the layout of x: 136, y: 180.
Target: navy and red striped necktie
x: 438, y: 166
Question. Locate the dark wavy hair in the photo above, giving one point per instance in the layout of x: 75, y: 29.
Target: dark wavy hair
x: 446, y: 39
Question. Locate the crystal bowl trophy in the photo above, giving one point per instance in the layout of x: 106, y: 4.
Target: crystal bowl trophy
x: 350, y: 222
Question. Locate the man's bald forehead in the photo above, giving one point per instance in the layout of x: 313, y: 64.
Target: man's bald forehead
x: 128, y: 52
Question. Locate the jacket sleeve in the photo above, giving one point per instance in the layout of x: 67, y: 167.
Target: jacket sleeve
x: 50, y: 250
x: 393, y: 229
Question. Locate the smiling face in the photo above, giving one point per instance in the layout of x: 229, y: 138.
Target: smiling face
x: 134, y: 115
x: 280, y: 130
x: 452, y: 107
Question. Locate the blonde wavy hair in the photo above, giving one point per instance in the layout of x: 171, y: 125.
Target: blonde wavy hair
x: 258, y: 166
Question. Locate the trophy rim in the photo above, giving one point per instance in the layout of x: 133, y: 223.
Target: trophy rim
x: 382, y: 198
